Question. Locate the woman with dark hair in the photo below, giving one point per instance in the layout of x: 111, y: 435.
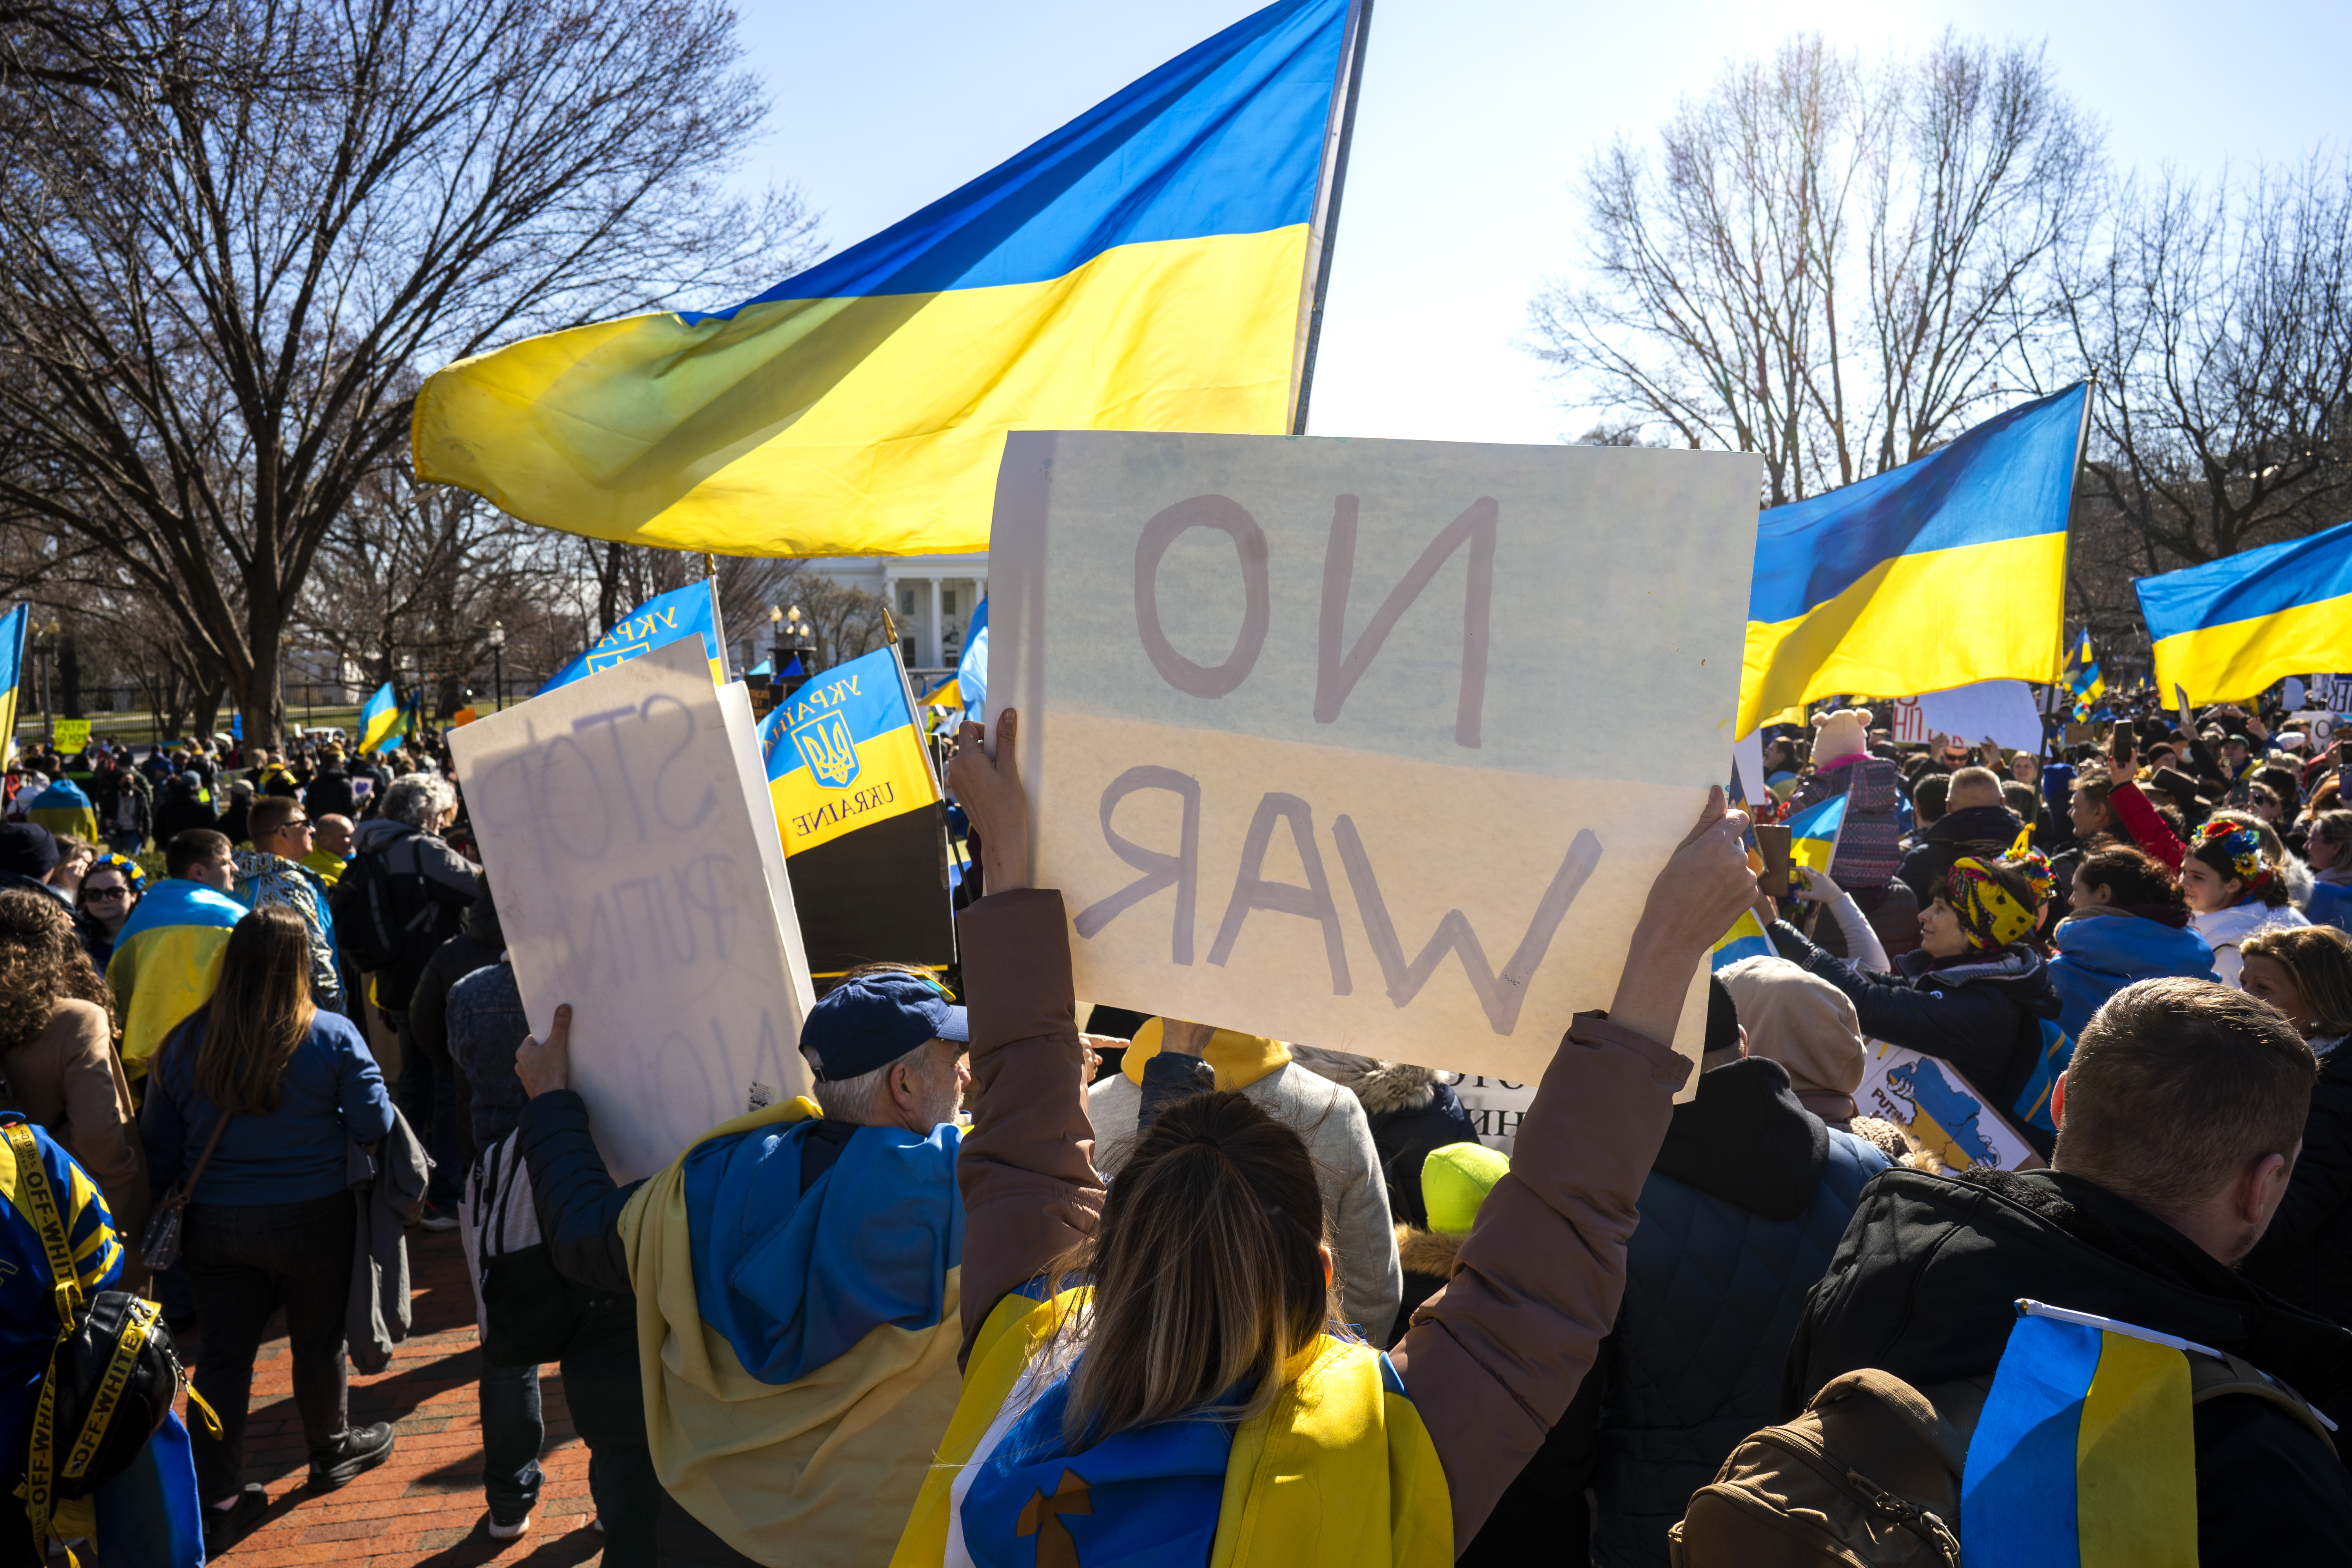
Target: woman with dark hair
x: 2127, y: 923
x: 109, y: 891
x: 2306, y: 1253
x: 255, y: 1100
x: 2235, y: 887
x: 57, y: 1048
x: 1976, y: 991
x: 1173, y: 1344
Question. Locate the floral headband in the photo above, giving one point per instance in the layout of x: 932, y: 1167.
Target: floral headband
x: 2243, y: 846
x: 124, y: 863
x: 2034, y: 866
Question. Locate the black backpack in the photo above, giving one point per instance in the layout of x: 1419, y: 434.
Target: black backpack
x: 389, y: 922
x: 113, y: 1371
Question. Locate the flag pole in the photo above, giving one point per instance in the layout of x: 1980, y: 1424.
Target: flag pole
x: 2065, y: 556
x: 1340, y: 134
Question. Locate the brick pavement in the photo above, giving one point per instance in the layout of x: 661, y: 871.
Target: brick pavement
x: 422, y: 1507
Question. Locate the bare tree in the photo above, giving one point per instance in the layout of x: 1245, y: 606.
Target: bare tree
x: 2219, y: 323
x: 226, y: 259
x: 1832, y: 264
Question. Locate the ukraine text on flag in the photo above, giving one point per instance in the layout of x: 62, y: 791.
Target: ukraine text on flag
x: 661, y: 620
x: 844, y: 752
x: 1143, y: 267
x: 2228, y: 628
x: 2083, y: 1456
x: 1969, y: 540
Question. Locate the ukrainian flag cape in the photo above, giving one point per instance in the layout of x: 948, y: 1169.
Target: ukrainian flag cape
x: 2228, y: 628
x: 798, y: 1350
x: 1148, y: 267
x: 1942, y: 572
x: 166, y: 961
x: 1338, y: 1473
x: 63, y: 808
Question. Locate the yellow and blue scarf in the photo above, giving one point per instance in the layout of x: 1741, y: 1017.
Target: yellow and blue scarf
x: 1337, y: 1473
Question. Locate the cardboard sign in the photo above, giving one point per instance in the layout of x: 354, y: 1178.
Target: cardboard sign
x: 1940, y: 1112
x: 2003, y: 709
x: 626, y: 829
x: 1375, y: 745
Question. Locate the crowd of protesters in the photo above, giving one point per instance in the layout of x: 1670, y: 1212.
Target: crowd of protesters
x: 1022, y: 1288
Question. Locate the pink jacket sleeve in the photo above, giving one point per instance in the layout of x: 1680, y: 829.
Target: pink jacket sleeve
x: 1492, y: 1360
x: 2151, y: 832
x: 1029, y: 1192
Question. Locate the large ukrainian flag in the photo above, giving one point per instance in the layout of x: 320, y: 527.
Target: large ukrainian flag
x: 666, y: 618
x: 1147, y: 267
x: 2229, y: 628
x: 1942, y: 572
x: 14, y: 626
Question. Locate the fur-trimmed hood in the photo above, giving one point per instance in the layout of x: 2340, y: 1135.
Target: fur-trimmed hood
x: 1382, y: 1087
x: 1427, y: 1252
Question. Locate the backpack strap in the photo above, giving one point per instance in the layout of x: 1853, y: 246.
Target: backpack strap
x: 2222, y: 1375
x: 41, y: 1200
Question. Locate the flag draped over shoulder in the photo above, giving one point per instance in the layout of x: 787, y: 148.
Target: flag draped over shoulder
x: 1942, y: 572
x: 845, y: 751
x: 15, y: 628
x: 1143, y: 267
x: 166, y: 961
x: 661, y: 620
x: 2226, y: 630
x: 64, y: 808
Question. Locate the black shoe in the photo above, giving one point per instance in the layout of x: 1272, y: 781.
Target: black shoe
x: 225, y: 1527
x: 357, y: 1451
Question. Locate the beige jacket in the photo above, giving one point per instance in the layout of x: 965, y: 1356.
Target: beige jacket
x: 68, y: 1080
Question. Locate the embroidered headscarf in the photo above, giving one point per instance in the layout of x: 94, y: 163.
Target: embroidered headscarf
x: 1989, y: 913
x: 2242, y: 846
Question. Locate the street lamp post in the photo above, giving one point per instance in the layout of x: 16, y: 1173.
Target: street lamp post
x: 498, y: 664
x: 49, y: 638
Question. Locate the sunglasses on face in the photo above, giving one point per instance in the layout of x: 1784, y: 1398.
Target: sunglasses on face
x: 93, y: 895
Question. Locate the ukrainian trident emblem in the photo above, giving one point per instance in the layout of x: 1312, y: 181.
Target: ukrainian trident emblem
x: 825, y: 746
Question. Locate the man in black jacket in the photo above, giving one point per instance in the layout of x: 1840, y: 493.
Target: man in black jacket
x: 2180, y: 1120
x: 1976, y: 821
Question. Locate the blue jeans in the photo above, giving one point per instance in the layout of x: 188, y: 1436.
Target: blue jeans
x: 511, y: 1434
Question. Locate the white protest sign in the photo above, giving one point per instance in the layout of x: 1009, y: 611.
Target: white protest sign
x: 1374, y: 745
x: 1495, y: 1106
x: 627, y: 832
x: 2002, y: 710
x: 1940, y: 1113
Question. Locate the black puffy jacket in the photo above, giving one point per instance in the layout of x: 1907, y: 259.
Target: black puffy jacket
x: 2307, y: 1254
x: 1925, y: 1283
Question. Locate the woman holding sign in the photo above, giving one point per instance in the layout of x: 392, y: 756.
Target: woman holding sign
x: 1173, y: 1344
x: 1976, y: 991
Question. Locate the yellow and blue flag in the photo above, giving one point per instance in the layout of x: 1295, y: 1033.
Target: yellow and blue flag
x: 844, y: 752
x: 972, y: 670
x: 1813, y: 834
x: 1150, y: 266
x: 15, y: 628
x: 2083, y: 677
x: 384, y: 719
x: 661, y: 620
x: 166, y: 961
x: 1942, y: 572
x: 1746, y: 939
x: 2225, y: 630
x: 2083, y: 1456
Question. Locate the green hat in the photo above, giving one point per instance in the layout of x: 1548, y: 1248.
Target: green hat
x: 1454, y: 1181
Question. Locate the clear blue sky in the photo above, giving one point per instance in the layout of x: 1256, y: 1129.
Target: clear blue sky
x: 1476, y: 116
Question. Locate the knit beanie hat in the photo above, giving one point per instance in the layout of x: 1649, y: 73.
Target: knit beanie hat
x: 1454, y: 1180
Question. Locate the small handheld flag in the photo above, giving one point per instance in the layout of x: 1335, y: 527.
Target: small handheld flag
x: 845, y: 753
x: 2083, y: 677
x: 661, y: 620
x: 1813, y: 834
x: 1746, y: 939
x: 384, y: 719
x: 2084, y: 1454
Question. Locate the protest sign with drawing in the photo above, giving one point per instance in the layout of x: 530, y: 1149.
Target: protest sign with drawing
x: 625, y: 823
x: 1375, y: 745
x: 1939, y: 1111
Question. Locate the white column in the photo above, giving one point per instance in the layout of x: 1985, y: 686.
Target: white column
x: 932, y: 654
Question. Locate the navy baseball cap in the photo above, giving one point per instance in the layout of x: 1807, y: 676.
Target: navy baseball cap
x: 872, y: 1020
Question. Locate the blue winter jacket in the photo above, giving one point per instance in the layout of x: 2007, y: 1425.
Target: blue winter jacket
x: 2099, y: 954
x: 1739, y: 1216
